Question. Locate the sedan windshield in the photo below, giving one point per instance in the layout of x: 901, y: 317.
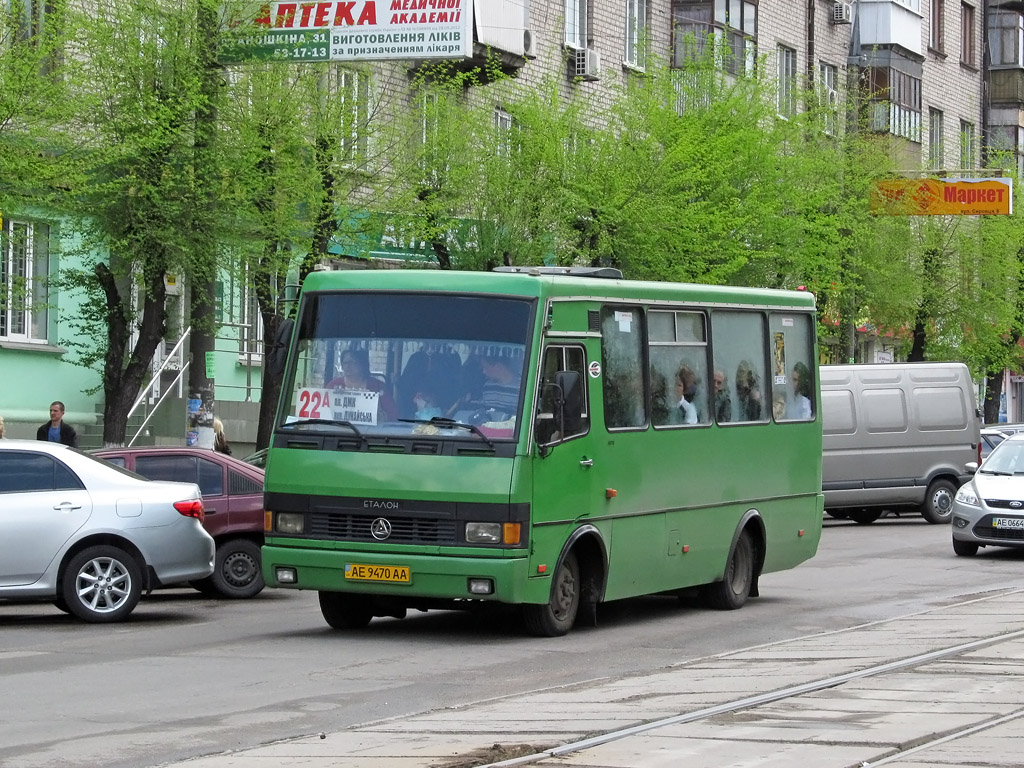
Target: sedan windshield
x: 1007, y: 458
x: 371, y: 364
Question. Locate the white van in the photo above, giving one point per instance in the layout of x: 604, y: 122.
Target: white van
x: 896, y: 436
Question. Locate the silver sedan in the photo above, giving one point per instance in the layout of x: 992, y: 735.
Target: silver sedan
x: 92, y: 537
x: 988, y: 511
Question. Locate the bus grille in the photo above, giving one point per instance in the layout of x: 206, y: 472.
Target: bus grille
x: 347, y: 526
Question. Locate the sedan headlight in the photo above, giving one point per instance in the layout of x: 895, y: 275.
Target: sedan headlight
x: 967, y: 496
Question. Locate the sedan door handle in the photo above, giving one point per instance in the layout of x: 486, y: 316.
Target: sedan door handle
x: 66, y: 506
x: 586, y: 462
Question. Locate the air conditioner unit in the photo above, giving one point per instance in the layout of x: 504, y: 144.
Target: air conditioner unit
x: 529, y: 44
x: 842, y: 13
x: 588, y: 64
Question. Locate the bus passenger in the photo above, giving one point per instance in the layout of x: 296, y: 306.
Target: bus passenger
x: 501, y: 386
x: 799, y: 405
x: 355, y: 367
x: 748, y: 392
x: 723, y: 402
x: 686, y: 391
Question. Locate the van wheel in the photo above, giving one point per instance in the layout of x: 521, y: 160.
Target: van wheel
x: 732, y: 591
x: 556, y: 617
x: 938, y: 504
x: 965, y: 548
x: 343, y: 611
x: 865, y: 516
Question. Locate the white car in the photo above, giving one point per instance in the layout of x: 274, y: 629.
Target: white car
x: 92, y: 537
x: 988, y: 511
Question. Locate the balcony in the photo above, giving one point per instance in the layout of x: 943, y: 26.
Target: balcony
x: 886, y: 23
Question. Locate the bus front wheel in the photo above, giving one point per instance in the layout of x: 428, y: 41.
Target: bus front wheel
x: 343, y: 611
x: 732, y: 591
x: 556, y: 617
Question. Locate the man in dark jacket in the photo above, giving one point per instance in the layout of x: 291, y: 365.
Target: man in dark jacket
x: 55, y: 430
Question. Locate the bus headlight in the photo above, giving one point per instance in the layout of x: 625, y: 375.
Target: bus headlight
x: 290, y: 522
x: 483, y: 533
x: 494, y: 533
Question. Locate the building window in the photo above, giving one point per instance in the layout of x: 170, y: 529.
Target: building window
x: 352, y: 89
x: 576, y: 23
x: 894, y: 99
x: 787, y: 81
x: 26, y: 16
x: 937, y: 29
x: 967, y: 34
x: 730, y: 26
x: 966, y: 144
x: 828, y: 96
x: 636, y: 33
x: 503, y: 123
x: 24, y: 267
x: 1006, y: 39
x: 936, y: 147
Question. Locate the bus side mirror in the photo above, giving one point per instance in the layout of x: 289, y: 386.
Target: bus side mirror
x: 278, y: 354
x: 568, y: 402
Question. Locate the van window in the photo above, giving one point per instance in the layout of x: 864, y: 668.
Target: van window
x: 885, y: 410
x: 940, y: 408
x: 838, y: 412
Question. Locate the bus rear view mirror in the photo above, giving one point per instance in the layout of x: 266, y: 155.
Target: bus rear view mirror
x: 568, y: 402
x: 279, y: 351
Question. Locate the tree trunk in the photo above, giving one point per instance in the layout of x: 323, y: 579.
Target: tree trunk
x: 122, y: 383
x: 993, y: 393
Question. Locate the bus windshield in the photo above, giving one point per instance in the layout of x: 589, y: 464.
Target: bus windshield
x: 394, y: 364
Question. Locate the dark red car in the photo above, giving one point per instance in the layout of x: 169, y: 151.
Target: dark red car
x: 232, y: 497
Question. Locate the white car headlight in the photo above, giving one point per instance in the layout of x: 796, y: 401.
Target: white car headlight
x: 967, y: 496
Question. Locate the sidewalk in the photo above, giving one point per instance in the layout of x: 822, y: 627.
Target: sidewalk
x: 836, y: 723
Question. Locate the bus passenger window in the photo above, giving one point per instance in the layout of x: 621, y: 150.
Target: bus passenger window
x: 546, y: 426
x: 739, y: 360
x: 678, y: 357
x: 793, y: 385
x: 625, y: 404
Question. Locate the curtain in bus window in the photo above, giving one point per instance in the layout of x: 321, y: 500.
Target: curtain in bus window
x: 623, y: 379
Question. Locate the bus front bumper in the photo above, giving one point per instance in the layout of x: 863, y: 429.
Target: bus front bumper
x: 441, y: 577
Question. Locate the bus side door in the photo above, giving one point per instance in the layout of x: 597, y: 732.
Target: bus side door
x: 565, y: 485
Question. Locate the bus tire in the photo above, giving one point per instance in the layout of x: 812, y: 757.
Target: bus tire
x: 732, y: 591
x: 938, y: 504
x: 343, y: 611
x: 556, y: 617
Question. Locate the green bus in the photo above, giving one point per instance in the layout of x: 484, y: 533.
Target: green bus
x: 549, y: 438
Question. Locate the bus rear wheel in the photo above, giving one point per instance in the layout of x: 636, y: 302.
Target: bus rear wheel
x: 732, y: 591
x: 343, y: 611
x: 556, y: 617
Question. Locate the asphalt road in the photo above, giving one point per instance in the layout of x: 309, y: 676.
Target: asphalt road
x: 188, y: 676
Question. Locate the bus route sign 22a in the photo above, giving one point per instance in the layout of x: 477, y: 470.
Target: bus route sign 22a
x: 353, y: 30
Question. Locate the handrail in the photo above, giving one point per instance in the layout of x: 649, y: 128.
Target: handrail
x: 166, y: 392
x: 156, y: 374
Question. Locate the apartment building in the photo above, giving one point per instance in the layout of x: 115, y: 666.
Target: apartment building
x: 920, y: 65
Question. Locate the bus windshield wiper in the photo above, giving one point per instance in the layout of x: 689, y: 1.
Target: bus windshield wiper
x: 328, y: 422
x: 441, y: 421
